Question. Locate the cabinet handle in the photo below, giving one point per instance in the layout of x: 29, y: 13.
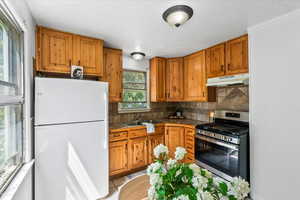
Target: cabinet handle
x: 228, y: 65
x: 222, y: 67
x: 203, y: 94
x: 70, y: 62
x: 78, y: 62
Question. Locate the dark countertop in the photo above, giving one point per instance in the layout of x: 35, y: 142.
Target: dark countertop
x: 160, y: 121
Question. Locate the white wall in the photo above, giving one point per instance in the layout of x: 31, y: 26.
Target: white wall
x: 275, y: 107
x: 129, y: 63
x: 21, y: 11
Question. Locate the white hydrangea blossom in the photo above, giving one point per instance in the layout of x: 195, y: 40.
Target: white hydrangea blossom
x: 171, y: 163
x: 153, y: 168
x: 178, y: 172
x: 180, y: 153
x: 155, y: 179
x: 206, y: 196
x: 182, y: 197
x: 196, y: 169
x: 239, y: 188
x: 208, y: 174
x: 199, y: 182
x: 160, y: 149
x: 151, y: 193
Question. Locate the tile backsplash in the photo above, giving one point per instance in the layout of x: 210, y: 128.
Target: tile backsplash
x: 234, y: 98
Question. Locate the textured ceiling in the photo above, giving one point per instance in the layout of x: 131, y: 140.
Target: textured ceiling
x: 137, y: 25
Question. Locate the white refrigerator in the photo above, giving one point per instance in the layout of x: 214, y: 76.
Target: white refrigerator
x: 71, y: 139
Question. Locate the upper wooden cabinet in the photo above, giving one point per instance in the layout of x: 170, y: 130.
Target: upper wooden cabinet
x: 113, y: 73
x: 88, y: 52
x: 174, y: 78
x: 237, y: 55
x: 158, y: 79
x: 215, y: 61
x: 56, y: 51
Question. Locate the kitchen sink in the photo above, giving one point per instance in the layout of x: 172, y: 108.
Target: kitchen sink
x: 139, y: 122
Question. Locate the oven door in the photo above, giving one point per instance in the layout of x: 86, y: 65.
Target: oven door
x: 220, y: 156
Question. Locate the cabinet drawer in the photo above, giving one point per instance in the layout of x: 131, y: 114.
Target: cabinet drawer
x: 114, y: 136
x: 137, y: 133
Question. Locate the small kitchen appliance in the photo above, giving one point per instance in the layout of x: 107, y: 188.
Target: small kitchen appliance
x: 223, y: 146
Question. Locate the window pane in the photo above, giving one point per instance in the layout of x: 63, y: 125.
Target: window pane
x: 10, y: 61
x: 134, y: 86
x: 132, y: 76
x: 133, y: 105
x: 130, y: 95
x: 10, y: 140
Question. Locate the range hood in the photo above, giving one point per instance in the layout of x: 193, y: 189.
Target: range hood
x: 241, y: 79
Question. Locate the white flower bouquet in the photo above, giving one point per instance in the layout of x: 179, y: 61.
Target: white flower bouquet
x: 171, y: 179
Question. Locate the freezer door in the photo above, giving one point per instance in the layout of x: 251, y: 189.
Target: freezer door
x: 67, y: 100
x: 71, y: 161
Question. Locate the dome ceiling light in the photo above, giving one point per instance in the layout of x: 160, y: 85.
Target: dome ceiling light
x: 178, y: 15
x: 137, y: 55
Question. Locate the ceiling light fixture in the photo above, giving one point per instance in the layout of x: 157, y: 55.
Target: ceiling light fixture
x: 137, y: 55
x: 178, y: 15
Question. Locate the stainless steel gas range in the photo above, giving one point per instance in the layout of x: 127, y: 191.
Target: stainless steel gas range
x: 223, y: 146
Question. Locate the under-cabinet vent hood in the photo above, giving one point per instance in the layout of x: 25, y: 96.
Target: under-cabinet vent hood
x: 241, y: 79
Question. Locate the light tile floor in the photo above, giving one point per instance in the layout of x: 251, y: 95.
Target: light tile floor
x: 115, y: 184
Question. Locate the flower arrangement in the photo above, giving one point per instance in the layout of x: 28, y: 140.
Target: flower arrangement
x: 171, y: 179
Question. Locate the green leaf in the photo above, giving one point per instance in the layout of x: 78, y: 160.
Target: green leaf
x: 223, y: 188
x: 231, y: 197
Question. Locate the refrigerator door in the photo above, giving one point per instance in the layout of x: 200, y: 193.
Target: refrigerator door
x: 59, y: 101
x: 71, y: 161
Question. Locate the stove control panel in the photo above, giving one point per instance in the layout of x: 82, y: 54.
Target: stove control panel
x: 219, y: 136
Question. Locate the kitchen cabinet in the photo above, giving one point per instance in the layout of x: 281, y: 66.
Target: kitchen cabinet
x: 153, y: 141
x: 195, y: 88
x: 237, y: 56
x: 57, y: 51
x: 138, y: 152
x: 174, y: 138
x: 174, y: 78
x: 190, y: 144
x: 118, y: 157
x: 158, y: 79
x: 113, y: 73
x: 215, y: 61
x: 88, y: 53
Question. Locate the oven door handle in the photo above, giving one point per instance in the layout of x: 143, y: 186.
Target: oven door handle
x: 214, y: 141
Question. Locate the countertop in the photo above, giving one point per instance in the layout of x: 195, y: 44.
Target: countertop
x: 159, y: 121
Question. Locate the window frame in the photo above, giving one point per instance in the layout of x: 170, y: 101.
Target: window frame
x: 147, y: 88
x: 19, y: 98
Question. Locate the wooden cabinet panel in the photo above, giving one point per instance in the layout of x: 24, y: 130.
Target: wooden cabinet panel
x: 195, y: 77
x: 88, y: 53
x: 215, y: 61
x: 153, y: 141
x: 237, y: 55
x: 190, y: 144
x: 175, y: 79
x: 174, y: 138
x: 118, y: 157
x: 113, y: 73
x: 158, y: 79
x: 115, y: 136
x: 54, y: 50
x: 138, y: 152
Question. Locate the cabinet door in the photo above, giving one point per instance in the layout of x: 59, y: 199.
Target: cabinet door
x: 88, y: 53
x: 113, y: 73
x: 190, y: 144
x: 175, y: 79
x: 174, y: 138
x: 195, y: 77
x: 237, y: 56
x: 158, y: 79
x: 138, y: 152
x: 215, y: 61
x: 54, y: 51
x: 118, y: 157
x: 153, y: 141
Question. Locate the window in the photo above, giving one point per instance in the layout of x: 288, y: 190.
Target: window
x: 135, y: 92
x: 11, y: 99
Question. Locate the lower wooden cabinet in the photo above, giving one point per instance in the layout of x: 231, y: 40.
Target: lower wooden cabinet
x: 190, y: 144
x: 118, y: 159
x: 174, y: 138
x: 138, y: 152
x: 153, y: 141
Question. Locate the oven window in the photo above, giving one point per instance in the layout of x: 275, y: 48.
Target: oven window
x: 222, y: 158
